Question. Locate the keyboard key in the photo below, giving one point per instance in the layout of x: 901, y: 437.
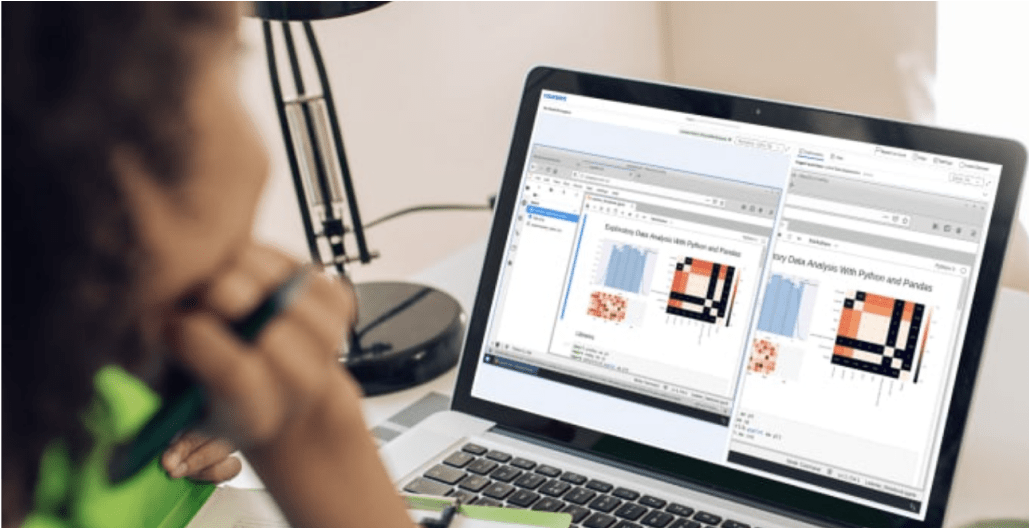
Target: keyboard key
x: 627, y: 524
x: 630, y: 511
x: 474, y: 449
x: 679, y: 509
x: 604, y: 503
x: 505, y: 474
x: 729, y: 523
x: 555, y: 488
x: 578, y: 512
x: 580, y: 496
x: 549, y: 471
x: 424, y: 486
x: 498, y: 490
x: 445, y: 474
x: 458, y: 459
x: 685, y: 523
x: 523, y: 463
x: 707, y: 518
x: 530, y: 480
x: 548, y: 504
x: 499, y: 456
x: 523, y: 498
x: 482, y: 466
x: 598, y: 520
x: 474, y: 483
x: 625, y: 493
x: 657, y: 519
x: 462, y: 495
x: 574, y: 478
x: 486, y: 501
x: 653, y: 502
x: 599, y: 485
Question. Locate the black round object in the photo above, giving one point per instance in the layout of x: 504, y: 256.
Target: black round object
x: 301, y: 11
x: 406, y: 334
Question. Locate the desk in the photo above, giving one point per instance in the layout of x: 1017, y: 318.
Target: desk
x: 992, y: 478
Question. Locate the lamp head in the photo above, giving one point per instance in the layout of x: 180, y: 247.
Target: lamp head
x: 307, y: 11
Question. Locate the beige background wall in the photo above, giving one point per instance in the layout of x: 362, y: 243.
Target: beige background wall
x: 427, y: 94
x: 862, y: 57
x: 427, y: 91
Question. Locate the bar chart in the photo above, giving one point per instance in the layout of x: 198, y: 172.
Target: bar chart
x: 625, y: 267
x: 788, y: 306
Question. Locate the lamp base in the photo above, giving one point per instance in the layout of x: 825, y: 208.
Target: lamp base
x: 406, y: 334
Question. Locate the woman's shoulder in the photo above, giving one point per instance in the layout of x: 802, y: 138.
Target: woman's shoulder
x: 81, y: 495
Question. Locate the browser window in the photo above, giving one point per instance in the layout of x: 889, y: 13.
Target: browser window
x: 785, y: 304
x: 600, y: 231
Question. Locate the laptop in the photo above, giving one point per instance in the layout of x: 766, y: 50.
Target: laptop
x: 700, y: 309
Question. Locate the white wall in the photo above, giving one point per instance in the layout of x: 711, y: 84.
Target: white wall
x: 427, y: 94
x: 427, y: 90
x: 982, y: 86
x: 872, y: 58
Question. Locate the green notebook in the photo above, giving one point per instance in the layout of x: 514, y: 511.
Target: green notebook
x: 486, y: 516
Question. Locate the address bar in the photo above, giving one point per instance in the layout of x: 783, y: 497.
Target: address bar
x: 685, y: 196
x: 879, y: 230
x: 864, y: 213
x: 679, y: 205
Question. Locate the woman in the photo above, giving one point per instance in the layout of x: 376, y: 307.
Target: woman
x: 130, y: 178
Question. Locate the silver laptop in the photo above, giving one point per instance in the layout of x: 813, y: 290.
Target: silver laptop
x: 700, y: 309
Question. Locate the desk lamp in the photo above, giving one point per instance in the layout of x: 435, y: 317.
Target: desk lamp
x: 406, y: 333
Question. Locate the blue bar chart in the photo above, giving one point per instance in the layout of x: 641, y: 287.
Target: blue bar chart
x: 788, y: 306
x: 625, y: 267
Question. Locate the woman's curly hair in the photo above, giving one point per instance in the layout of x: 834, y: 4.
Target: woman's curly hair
x: 79, y: 80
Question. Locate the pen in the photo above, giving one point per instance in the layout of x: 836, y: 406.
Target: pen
x: 186, y: 409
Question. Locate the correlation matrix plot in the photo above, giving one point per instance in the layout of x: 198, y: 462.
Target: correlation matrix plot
x: 882, y: 336
x: 702, y: 294
x: 788, y: 306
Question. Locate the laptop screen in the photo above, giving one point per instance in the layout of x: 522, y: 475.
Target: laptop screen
x: 781, y: 303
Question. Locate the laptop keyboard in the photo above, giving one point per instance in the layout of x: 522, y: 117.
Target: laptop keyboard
x: 494, y: 478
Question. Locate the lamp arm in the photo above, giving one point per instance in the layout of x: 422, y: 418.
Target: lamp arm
x: 337, y: 137
x: 333, y: 227
x: 291, y: 155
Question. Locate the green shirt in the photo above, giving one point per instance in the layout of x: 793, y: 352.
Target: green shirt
x: 82, y: 497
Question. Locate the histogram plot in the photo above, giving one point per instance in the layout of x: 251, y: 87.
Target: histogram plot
x: 703, y: 291
x: 788, y: 306
x: 625, y: 267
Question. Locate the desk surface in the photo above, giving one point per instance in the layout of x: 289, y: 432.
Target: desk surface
x: 992, y: 478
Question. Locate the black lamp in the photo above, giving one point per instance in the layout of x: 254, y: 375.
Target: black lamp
x: 406, y: 333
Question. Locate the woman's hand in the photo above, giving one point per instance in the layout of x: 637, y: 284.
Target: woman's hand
x: 200, y: 457
x: 283, y: 398
x: 259, y: 389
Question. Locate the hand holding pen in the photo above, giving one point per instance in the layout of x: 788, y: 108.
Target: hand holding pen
x: 194, y: 454
x: 263, y: 341
x: 262, y: 337
x: 272, y: 377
